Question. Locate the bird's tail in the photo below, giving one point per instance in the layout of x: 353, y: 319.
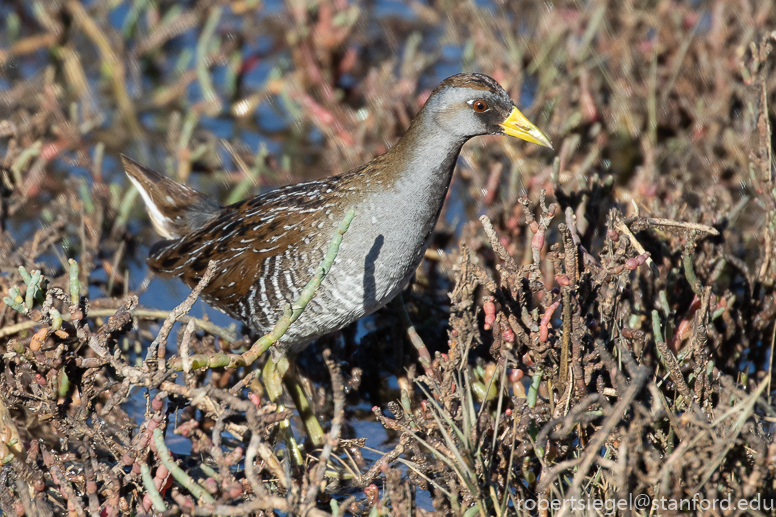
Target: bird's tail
x: 175, y: 209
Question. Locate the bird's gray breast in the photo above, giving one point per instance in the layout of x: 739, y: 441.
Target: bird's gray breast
x: 379, y: 253
x: 382, y: 249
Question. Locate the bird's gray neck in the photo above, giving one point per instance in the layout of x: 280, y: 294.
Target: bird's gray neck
x: 423, y: 161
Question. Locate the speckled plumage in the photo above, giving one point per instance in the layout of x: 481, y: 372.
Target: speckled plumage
x: 268, y: 247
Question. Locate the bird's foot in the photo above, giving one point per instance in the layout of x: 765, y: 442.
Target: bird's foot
x: 272, y: 376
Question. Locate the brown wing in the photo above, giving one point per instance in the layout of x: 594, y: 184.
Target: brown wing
x: 265, y: 248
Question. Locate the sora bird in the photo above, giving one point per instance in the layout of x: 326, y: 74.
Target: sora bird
x: 266, y: 248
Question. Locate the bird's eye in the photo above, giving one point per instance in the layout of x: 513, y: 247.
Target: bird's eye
x: 480, y: 106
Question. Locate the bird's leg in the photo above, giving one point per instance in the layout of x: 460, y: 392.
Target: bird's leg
x: 311, y: 424
x: 294, y: 452
x: 423, y: 355
x: 276, y: 374
x: 272, y: 376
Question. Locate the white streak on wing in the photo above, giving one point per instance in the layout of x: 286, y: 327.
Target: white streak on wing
x: 275, y: 275
x: 252, y: 300
x: 160, y: 221
x: 294, y: 275
x: 265, y: 308
x: 291, y: 285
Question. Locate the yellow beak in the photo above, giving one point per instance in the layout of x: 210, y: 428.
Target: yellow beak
x: 517, y: 125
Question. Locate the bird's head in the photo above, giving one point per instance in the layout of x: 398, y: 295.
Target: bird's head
x: 468, y: 105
